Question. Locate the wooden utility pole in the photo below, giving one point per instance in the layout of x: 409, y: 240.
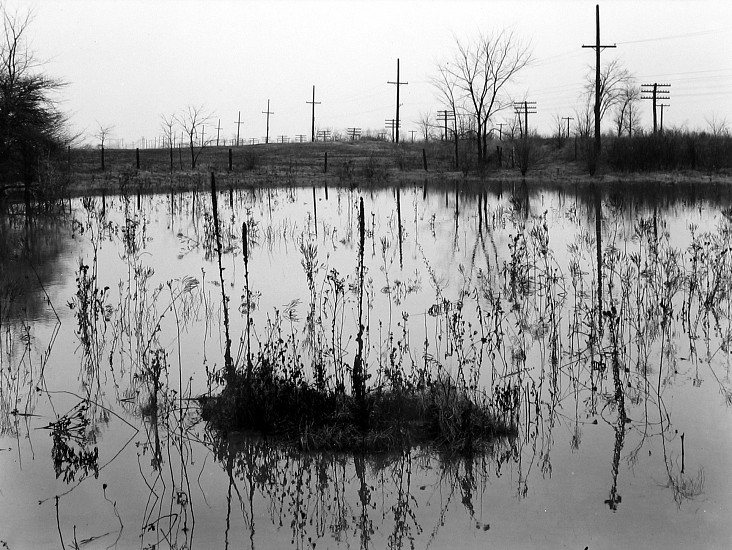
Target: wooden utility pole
x: 218, y: 132
x: 567, y: 118
x: 526, y: 108
x: 662, y: 105
x: 444, y: 116
x: 392, y: 125
x: 313, y: 103
x: 398, y: 83
x: 657, y: 92
x: 597, y: 47
x: 238, y: 124
x: 267, y: 112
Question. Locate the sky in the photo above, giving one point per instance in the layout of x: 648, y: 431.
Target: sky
x: 128, y: 63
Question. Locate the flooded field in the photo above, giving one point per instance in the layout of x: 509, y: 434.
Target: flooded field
x: 596, y: 323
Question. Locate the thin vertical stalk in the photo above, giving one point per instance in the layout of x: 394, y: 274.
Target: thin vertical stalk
x: 358, y: 379
x: 228, y: 362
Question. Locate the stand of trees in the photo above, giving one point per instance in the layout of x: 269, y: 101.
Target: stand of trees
x: 31, y: 124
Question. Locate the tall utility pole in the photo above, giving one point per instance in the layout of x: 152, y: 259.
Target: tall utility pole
x: 526, y: 108
x: 218, y: 132
x: 657, y: 92
x: 567, y: 118
x: 597, y: 47
x: 313, y: 103
x: 392, y: 125
x: 444, y: 116
x: 398, y: 83
x: 238, y: 124
x: 267, y: 112
x: 662, y: 105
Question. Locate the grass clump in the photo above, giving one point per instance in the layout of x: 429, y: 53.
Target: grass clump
x: 441, y: 413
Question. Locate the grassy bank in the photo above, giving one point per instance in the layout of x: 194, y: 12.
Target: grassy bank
x: 671, y: 157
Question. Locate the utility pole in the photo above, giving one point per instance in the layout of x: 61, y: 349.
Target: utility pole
x: 526, y: 108
x: 662, y: 105
x: 657, y: 92
x: 354, y: 133
x: 412, y: 132
x: 267, y: 112
x: 238, y: 124
x: 444, y: 116
x: 392, y: 125
x: 567, y: 118
x: 398, y: 83
x: 218, y: 132
x: 313, y: 103
x: 500, y: 131
x: 597, y: 47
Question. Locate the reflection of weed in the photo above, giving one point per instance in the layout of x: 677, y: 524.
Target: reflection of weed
x: 70, y: 441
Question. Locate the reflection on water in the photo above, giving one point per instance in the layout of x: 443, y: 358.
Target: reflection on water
x: 599, y: 322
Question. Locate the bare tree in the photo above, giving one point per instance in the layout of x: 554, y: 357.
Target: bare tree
x: 718, y: 126
x: 102, y: 134
x: 615, y: 80
x: 479, y: 73
x: 167, y: 125
x: 626, y: 109
x: 426, y: 123
x: 191, y: 120
x: 448, y: 91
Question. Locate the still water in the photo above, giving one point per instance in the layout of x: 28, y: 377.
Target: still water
x: 607, y: 313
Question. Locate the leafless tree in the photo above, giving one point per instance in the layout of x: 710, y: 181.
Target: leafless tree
x: 625, y: 114
x: 446, y: 84
x: 615, y: 80
x: 167, y: 125
x: 102, y: 134
x: 479, y: 74
x: 718, y: 126
x: 426, y: 123
x: 192, y: 120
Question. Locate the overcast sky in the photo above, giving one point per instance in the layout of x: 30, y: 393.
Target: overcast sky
x: 129, y: 62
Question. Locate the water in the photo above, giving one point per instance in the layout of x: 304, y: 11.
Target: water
x: 623, y: 429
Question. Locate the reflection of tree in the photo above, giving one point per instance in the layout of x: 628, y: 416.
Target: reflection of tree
x: 370, y: 497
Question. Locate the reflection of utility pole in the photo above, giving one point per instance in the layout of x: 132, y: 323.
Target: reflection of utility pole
x: 398, y: 83
x: 238, y: 124
x: 267, y: 112
x: 313, y: 103
x: 597, y: 47
x: 657, y: 92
